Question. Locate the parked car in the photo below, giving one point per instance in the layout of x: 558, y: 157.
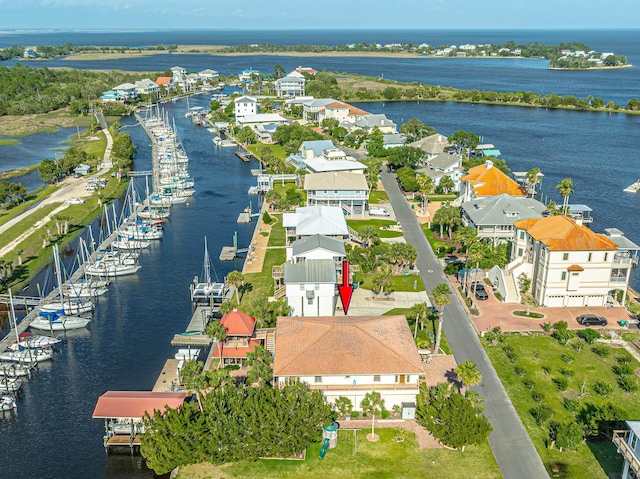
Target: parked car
x: 481, y: 294
x: 453, y: 259
x: 75, y: 201
x: 377, y: 211
x: 477, y: 287
x: 591, y: 320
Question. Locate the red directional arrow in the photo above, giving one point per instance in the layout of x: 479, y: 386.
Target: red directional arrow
x: 345, y: 289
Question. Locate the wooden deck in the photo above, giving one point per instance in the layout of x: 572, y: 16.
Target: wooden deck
x: 168, y: 379
x: 199, y: 320
x: 122, y: 440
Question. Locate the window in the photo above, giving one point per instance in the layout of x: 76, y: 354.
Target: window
x: 521, y: 235
x: 520, y: 251
x: 302, y: 287
x: 605, y: 256
x: 376, y: 378
x: 565, y: 256
x: 317, y: 379
x: 316, y: 286
x: 564, y: 276
x: 589, y: 257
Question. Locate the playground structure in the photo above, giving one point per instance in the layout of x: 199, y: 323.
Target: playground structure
x: 330, y: 438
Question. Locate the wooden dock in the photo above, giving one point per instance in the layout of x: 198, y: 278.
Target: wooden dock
x: 244, y: 217
x: 195, y: 334
x: 169, y: 380
x: 228, y: 253
x: 245, y: 155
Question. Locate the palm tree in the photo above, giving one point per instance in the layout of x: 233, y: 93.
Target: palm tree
x: 467, y: 236
x: 217, y: 331
x: 421, y: 309
x: 368, y: 234
x: 426, y: 187
x: 235, y: 278
x: 446, y: 183
x: 372, y: 404
x: 565, y: 187
x: 468, y: 374
x: 533, y: 178
x: 382, y: 278
x: 475, y: 254
x: 440, y: 299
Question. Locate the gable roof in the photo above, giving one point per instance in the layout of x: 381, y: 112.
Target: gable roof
x: 337, y: 180
x: 502, y: 209
x: 561, y: 233
x: 245, y: 99
x: 311, y: 271
x: 487, y: 180
x: 318, y: 219
x: 163, y: 80
x: 314, y: 242
x: 444, y: 161
x: 317, y: 146
x: 328, y: 345
x: 432, y: 144
x: 133, y: 404
x: 238, y: 323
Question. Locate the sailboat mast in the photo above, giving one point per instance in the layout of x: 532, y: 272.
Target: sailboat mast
x: 207, y: 266
x: 56, y: 259
x: 13, y: 315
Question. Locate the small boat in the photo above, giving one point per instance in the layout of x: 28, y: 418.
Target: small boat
x: 27, y: 356
x: 124, y: 243
x: 14, y: 370
x: 69, y: 306
x: 28, y: 340
x: 7, y: 403
x: 58, y: 321
x: 109, y: 270
x: 217, y: 140
x: 10, y: 385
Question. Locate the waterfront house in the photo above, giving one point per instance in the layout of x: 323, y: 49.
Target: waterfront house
x: 310, y: 287
x: 487, y: 180
x: 321, y: 156
x: 343, y: 112
x: 316, y: 247
x: 432, y: 145
x: 178, y: 70
x: 248, y: 74
x: 81, y: 170
x: 569, y: 265
x: 127, y: 91
x: 627, y: 443
x: 348, y: 191
x: 146, y: 87
x: 313, y: 220
x: 208, y: 74
x: 369, y: 122
x: 306, y: 70
x: 493, y: 216
x: 290, y: 86
x: 165, y: 82
x: 349, y: 356
x: 244, y: 106
x: 263, y: 124
x: 111, y: 96
x: 311, y: 109
x: 240, y: 340
x: 444, y: 164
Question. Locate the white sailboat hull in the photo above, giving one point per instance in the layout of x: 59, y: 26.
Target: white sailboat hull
x: 10, y: 385
x: 60, y: 323
x: 110, y: 270
x: 69, y: 307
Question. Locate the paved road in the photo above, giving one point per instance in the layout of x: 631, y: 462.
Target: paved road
x: 514, y: 452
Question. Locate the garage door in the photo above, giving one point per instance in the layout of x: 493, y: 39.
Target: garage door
x: 595, y: 300
x: 575, y: 301
x: 554, y: 301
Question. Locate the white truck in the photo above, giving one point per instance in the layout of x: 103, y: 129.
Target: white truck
x: 377, y: 211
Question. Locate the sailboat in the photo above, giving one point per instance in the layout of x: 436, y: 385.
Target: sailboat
x: 28, y: 340
x: 67, y: 304
x: 207, y: 290
x: 10, y: 385
x: 7, y: 403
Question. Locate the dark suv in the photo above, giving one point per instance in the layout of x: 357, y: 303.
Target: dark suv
x: 480, y: 292
x: 591, y: 320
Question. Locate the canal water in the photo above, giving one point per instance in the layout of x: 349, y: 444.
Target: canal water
x: 128, y: 340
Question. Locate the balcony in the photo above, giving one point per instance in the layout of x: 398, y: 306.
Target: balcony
x: 363, y: 387
x: 620, y: 440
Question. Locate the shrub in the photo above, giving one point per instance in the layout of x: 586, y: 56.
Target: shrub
x: 355, y: 414
x: 546, y: 327
x: 623, y: 370
x: 529, y: 383
x: 384, y: 414
x: 589, y: 335
x: 561, y: 383
x: 566, y: 372
x: 602, y: 388
x: 541, y: 413
x: 566, y: 435
x: 537, y: 396
x: 546, y: 370
x: 571, y: 405
x: 623, y: 360
x: 577, y: 346
x: 563, y: 336
x: 601, y: 350
x: 519, y: 371
x: 628, y: 384
x: 567, y: 358
x: 266, y: 218
x: 511, y: 355
x: 561, y: 326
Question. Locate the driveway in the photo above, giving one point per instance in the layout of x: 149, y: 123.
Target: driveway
x: 514, y: 452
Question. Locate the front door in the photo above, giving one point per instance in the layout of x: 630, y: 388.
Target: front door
x: 402, y: 379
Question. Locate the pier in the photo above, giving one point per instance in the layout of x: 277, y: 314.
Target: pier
x: 245, y: 155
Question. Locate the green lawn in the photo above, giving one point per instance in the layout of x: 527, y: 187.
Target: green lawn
x: 430, y: 326
x: 360, y: 458
x: 398, y: 283
x: 378, y: 196
x: 440, y: 248
x: 262, y: 283
x: 540, y: 360
x: 378, y: 225
x: 276, y: 150
x: 277, y: 237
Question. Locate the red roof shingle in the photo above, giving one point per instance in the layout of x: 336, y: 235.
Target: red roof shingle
x: 561, y: 233
x: 133, y: 404
x: 238, y: 323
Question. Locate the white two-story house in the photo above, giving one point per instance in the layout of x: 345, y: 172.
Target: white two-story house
x: 569, y: 265
x: 348, y: 191
x: 444, y: 164
x: 322, y: 156
x: 314, y: 220
x: 127, y: 91
x: 432, y: 145
x: 349, y: 356
x: 310, y: 287
x: 146, y: 87
x: 291, y: 85
x: 245, y: 106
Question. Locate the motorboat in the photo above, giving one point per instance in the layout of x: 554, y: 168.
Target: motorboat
x: 7, y: 403
x: 110, y: 270
x: 69, y: 306
x: 27, y: 356
x: 14, y: 370
x: 129, y: 244
x: 10, y: 385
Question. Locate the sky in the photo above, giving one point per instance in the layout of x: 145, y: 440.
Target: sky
x: 324, y: 14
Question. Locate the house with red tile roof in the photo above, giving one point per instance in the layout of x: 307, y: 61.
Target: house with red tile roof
x: 487, y: 180
x: 349, y: 356
x: 240, y: 339
x: 569, y: 265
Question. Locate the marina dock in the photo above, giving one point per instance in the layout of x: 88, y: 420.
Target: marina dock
x: 195, y: 334
x: 245, y: 155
